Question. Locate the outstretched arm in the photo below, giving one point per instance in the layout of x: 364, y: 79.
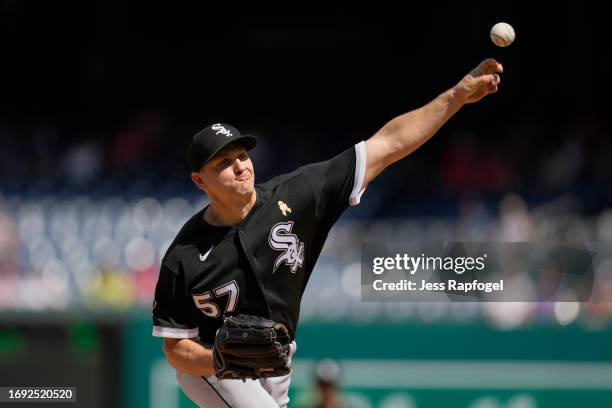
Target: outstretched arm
x: 406, y: 133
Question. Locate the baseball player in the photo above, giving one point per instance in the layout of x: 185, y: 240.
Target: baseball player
x: 253, y: 248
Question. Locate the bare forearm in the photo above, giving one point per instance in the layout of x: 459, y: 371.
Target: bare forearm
x: 189, y: 357
x: 404, y: 134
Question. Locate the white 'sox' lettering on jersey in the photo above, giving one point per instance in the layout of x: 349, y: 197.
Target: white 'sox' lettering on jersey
x: 281, y: 239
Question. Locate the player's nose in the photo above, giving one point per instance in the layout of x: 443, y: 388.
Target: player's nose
x: 239, y: 166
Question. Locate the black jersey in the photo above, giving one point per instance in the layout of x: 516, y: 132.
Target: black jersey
x: 262, y: 265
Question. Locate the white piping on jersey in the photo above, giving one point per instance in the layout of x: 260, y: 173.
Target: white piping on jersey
x: 174, y: 333
x: 360, y: 168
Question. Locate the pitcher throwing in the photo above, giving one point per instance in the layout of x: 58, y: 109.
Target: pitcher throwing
x: 252, y: 250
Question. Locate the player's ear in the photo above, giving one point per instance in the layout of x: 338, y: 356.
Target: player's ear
x: 198, y: 180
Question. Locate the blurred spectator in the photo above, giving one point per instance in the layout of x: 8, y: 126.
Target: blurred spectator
x: 83, y: 163
x: 326, y: 392
x: 9, y: 244
x: 110, y: 290
x: 9, y: 266
x: 515, y: 224
x: 562, y: 166
x: 136, y: 143
x: 328, y: 381
x: 465, y: 165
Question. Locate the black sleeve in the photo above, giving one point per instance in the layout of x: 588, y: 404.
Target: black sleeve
x: 336, y: 183
x: 173, y: 314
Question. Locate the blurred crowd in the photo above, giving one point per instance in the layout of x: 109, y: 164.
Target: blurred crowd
x: 103, y: 253
x: 85, y: 216
x: 566, y: 169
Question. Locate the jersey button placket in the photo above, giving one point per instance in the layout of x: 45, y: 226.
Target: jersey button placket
x: 241, y: 232
x: 252, y: 259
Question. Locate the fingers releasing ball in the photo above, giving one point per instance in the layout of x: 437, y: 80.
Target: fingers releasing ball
x: 502, y: 34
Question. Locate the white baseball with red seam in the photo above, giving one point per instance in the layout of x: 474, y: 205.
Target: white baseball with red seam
x: 502, y: 34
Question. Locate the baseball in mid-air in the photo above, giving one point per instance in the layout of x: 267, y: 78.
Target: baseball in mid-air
x: 502, y: 34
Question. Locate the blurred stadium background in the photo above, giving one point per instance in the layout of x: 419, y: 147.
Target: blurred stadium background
x: 99, y: 102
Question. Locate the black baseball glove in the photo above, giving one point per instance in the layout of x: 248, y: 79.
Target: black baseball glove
x: 248, y: 346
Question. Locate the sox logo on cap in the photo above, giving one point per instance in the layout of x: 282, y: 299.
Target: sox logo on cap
x: 220, y: 129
